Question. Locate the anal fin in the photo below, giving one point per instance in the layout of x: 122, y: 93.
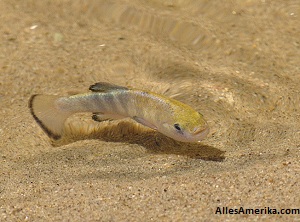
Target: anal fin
x: 99, y: 117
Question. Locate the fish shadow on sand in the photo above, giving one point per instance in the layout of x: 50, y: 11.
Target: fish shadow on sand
x: 133, y: 133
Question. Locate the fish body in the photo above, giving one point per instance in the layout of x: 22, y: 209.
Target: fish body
x: 107, y: 101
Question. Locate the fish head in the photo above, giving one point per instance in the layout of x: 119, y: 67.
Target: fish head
x: 186, y: 125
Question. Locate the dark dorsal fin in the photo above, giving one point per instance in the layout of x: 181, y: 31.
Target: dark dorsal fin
x: 106, y: 87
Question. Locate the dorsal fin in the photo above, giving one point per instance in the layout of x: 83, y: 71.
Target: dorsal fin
x: 106, y: 87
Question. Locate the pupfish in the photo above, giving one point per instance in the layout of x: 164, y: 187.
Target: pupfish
x: 107, y: 101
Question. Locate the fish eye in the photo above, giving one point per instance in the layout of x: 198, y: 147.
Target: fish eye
x: 177, y: 126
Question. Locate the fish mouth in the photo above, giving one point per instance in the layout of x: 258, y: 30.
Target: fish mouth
x: 201, y: 133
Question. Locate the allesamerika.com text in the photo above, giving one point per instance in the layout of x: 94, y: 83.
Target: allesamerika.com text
x: 266, y: 210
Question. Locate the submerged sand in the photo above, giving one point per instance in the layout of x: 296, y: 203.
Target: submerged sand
x: 237, y: 62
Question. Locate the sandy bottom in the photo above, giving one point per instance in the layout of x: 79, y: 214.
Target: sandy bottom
x: 237, y: 62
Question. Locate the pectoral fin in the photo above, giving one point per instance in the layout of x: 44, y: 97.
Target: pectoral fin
x: 144, y: 122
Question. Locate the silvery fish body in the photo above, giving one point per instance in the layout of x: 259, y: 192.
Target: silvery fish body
x: 107, y: 102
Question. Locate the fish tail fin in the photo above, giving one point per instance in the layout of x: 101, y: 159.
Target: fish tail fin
x: 48, y: 115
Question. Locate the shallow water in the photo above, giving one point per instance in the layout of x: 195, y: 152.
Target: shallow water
x: 237, y: 62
